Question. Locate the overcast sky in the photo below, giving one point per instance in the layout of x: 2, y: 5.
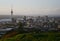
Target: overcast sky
x: 30, y: 7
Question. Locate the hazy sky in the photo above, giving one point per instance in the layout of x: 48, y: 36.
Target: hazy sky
x: 30, y: 7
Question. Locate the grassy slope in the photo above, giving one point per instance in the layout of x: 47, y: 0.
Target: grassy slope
x: 45, y: 36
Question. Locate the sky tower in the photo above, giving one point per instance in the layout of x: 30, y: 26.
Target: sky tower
x: 12, y: 18
x: 12, y: 14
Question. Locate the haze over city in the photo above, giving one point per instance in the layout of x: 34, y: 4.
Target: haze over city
x: 29, y: 20
x: 30, y: 7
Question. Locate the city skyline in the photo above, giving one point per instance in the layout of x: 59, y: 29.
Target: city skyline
x: 30, y: 7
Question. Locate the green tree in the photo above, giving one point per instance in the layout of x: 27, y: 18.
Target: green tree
x: 21, y: 25
x: 20, y: 28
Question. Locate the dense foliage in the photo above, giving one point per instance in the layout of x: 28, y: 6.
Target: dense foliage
x: 44, y: 36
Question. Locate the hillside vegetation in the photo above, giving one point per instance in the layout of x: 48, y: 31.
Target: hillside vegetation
x: 44, y: 36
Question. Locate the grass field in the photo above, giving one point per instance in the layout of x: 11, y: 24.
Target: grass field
x: 43, y: 36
